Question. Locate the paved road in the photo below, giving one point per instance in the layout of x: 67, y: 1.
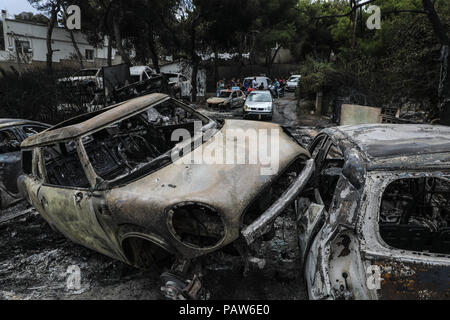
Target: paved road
x: 303, y: 127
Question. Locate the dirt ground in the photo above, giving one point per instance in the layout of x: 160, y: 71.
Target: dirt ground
x: 34, y: 259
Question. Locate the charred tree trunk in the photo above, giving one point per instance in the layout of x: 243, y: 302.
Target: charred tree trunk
x: 355, y: 26
x: 77, y: 49
x: 195, y: 60
x: 444, y: 83
x: 118, y: 36
x: 271, y: 60
x: 51, y: 25
x: 154, y: 52
x: 195, y: 66
x: 216, y: 67
x: 240, y: 50
x: 109, y: 51
x: 155, y: 60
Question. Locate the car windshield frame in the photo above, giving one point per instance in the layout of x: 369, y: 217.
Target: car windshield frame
x: 157, y: 163
x: 225, y: 94
x: 261, y: 94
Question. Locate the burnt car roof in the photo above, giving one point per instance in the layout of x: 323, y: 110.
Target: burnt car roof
x: 381, y: 141
x: 5, y: 123
x: 111, y: 115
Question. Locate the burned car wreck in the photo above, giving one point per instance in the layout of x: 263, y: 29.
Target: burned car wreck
x: 371, y: 201
x: 107, y: 181
x: 374, y: 221
x: 12, y: 133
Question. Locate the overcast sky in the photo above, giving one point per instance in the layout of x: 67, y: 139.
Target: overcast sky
x: 16, y: 6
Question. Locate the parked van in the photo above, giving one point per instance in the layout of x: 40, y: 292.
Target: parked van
x: 264, y: 80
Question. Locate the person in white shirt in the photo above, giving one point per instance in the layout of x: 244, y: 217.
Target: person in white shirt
x: 254, y: 84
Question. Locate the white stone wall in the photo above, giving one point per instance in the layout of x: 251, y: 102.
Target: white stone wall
x: 36, y: 34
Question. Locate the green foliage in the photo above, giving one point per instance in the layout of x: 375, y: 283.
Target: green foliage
x: 315, y: 76
x: 29, y: 16
x: 274, y: 26
x: 391, y: 66
x: 388, y: 66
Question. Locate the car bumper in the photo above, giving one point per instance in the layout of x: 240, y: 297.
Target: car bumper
x: 257, y: 114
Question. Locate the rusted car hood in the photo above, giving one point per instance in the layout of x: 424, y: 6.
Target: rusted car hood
x: 228, y: 188
x: 216, y: 100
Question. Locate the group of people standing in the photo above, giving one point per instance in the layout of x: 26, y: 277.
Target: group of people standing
x: 247, y: 86
x: 224, y: 85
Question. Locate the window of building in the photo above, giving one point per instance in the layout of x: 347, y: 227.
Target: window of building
x: 415, y: 215
x: 89, y: 54
x: 23, y: 46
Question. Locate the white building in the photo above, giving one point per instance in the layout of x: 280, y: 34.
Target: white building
x: 27, y: 41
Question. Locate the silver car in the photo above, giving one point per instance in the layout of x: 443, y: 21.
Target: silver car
x: 259, y: 104
x: 292, y: 83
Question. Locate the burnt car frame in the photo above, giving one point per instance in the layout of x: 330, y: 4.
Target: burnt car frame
x: 12, y: 133
x: 228, y: 100
x: 375, y: 224
x: 83, y: 180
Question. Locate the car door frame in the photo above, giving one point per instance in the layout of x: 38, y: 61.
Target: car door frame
x: 316, y: 212
x: 10, y: 162
x: 410, y: 270
x: 241, y: 98
x: 234, y: 100
x: 78, y: 204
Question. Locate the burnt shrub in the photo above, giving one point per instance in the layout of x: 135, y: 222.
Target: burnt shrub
x: 37, y: 95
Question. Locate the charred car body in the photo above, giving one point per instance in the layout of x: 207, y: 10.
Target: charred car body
x: 156, y: 83
x: 376, y: 222
x: 12, y: 133
x: 372, y: 204
x: 86, y: 79
x: 227, y: 100
x: 106, y: 180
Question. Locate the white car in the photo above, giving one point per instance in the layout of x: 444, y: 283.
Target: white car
x: 85, y: 77
x: 180, y: 83
x: 260, y: 80
x: 292, y: 83
x: 259, y: 104
x: 140, y: 73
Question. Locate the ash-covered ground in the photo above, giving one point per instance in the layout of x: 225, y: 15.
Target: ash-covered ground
x: 34, y: 259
